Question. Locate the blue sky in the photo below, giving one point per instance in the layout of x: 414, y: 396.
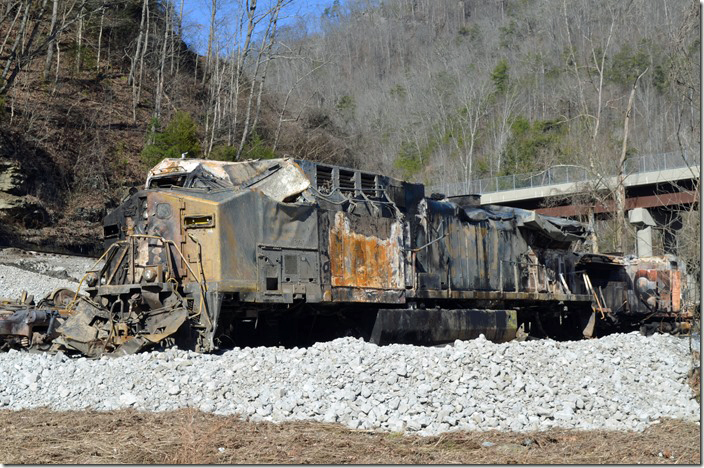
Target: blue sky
x: 197, y: 16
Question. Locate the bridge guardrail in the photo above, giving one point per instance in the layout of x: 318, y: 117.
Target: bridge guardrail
x: 564, y: 174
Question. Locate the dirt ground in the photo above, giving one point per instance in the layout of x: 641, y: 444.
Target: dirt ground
x: 190, y: 436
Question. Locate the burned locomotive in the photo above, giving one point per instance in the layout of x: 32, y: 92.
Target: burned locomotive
x: 218, y: 254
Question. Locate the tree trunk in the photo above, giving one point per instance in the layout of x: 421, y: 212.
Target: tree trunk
x: 180, y: 38
x: 250, y: 8
x: 80, y: 42
x: 50, y: 47
x: 138, y: 50
x: 621, y: 188
x: 58, y: 65
x: 271, y: 31
x: 211, y: 38
x: 137, y: 87
x: 100, y: 39
x: 9, y: 30
x: 600, y: 69
x: 162, y: 65
x: 266, y: 65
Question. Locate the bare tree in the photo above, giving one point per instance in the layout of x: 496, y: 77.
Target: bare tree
x: 79, y: 40
x: 621, y: 177
x: 282, y: 112
x: 134, y: 60
x: 211, y: 38
x: 140, y: 53
x: 100, y: 38
x: 52, y: 33
x: 22, y: 52
x: 162, y: 65
x: 264, y: 55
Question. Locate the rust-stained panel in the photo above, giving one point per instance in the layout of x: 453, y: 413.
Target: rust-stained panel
x: 664, y: 293
x: 361, y: 261
x: 676, y: 289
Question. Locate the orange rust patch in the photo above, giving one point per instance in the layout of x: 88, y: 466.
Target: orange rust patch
x: 676, y: 290
x: 363, y: 261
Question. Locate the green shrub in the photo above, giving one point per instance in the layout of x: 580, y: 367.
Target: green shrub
x: 180, y: 136
x: 257, y: 149
x: 482, y: 168
x: 398, y: 91
x: 345, y: 104
x: 500, y: 76
x: 408, y: 160
x: 346, y: 108
x: 223, y: 153
x: 531, y: 143
x: 626, y: 65
x: 661, y: 80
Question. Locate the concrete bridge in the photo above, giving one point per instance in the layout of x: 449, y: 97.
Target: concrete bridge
x: 656, y: 185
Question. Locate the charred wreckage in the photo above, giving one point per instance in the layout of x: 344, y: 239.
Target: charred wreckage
x: 212, y: 255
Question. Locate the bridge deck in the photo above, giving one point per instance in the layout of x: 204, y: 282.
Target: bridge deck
x: 632, y: 180
x: 567, y: 180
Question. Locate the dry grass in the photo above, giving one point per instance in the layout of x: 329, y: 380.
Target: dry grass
x: 189, y: 436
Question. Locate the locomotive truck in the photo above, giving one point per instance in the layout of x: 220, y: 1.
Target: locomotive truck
x: 211, y: 255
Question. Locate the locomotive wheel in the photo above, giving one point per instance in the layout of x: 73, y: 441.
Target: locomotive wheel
x: 62, y: 297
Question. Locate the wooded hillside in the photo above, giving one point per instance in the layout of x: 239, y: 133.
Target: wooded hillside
x: 468, y: 89
x: 94, y: 92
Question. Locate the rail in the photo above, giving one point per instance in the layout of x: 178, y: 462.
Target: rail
x: 565, y: 174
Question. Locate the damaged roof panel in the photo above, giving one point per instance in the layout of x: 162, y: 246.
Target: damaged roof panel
x: 559, y: 229
x: 280, y: 179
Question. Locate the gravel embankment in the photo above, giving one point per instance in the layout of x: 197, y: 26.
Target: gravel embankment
x: 13, y: 280
x: 618, y: 382
x: 39, y: 273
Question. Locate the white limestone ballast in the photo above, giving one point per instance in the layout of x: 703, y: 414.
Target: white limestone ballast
x: 623, y: 382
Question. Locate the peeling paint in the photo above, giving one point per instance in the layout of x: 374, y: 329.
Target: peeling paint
x: 363, y: 261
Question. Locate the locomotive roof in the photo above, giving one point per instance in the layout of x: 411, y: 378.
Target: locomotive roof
x: 284, y: 179
x: 280, y: 178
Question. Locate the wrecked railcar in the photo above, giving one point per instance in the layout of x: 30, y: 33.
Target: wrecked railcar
x: 216, y: 254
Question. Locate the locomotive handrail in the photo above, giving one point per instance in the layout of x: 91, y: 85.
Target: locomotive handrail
x: 129, y: 240
x: 71, y: 304
x: 185, y: 262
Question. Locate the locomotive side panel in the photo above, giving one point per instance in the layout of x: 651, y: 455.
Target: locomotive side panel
x: 480, y: 255
x: 467, y: 253
x: 363, y: 257
x: 370, y: 259
x: 269, y: 249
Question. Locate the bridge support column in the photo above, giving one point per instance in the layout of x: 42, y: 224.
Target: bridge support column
x: 643, y: 221
x: 670, y: 220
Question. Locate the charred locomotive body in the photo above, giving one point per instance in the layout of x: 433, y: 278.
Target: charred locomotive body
x: 285, y: 251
